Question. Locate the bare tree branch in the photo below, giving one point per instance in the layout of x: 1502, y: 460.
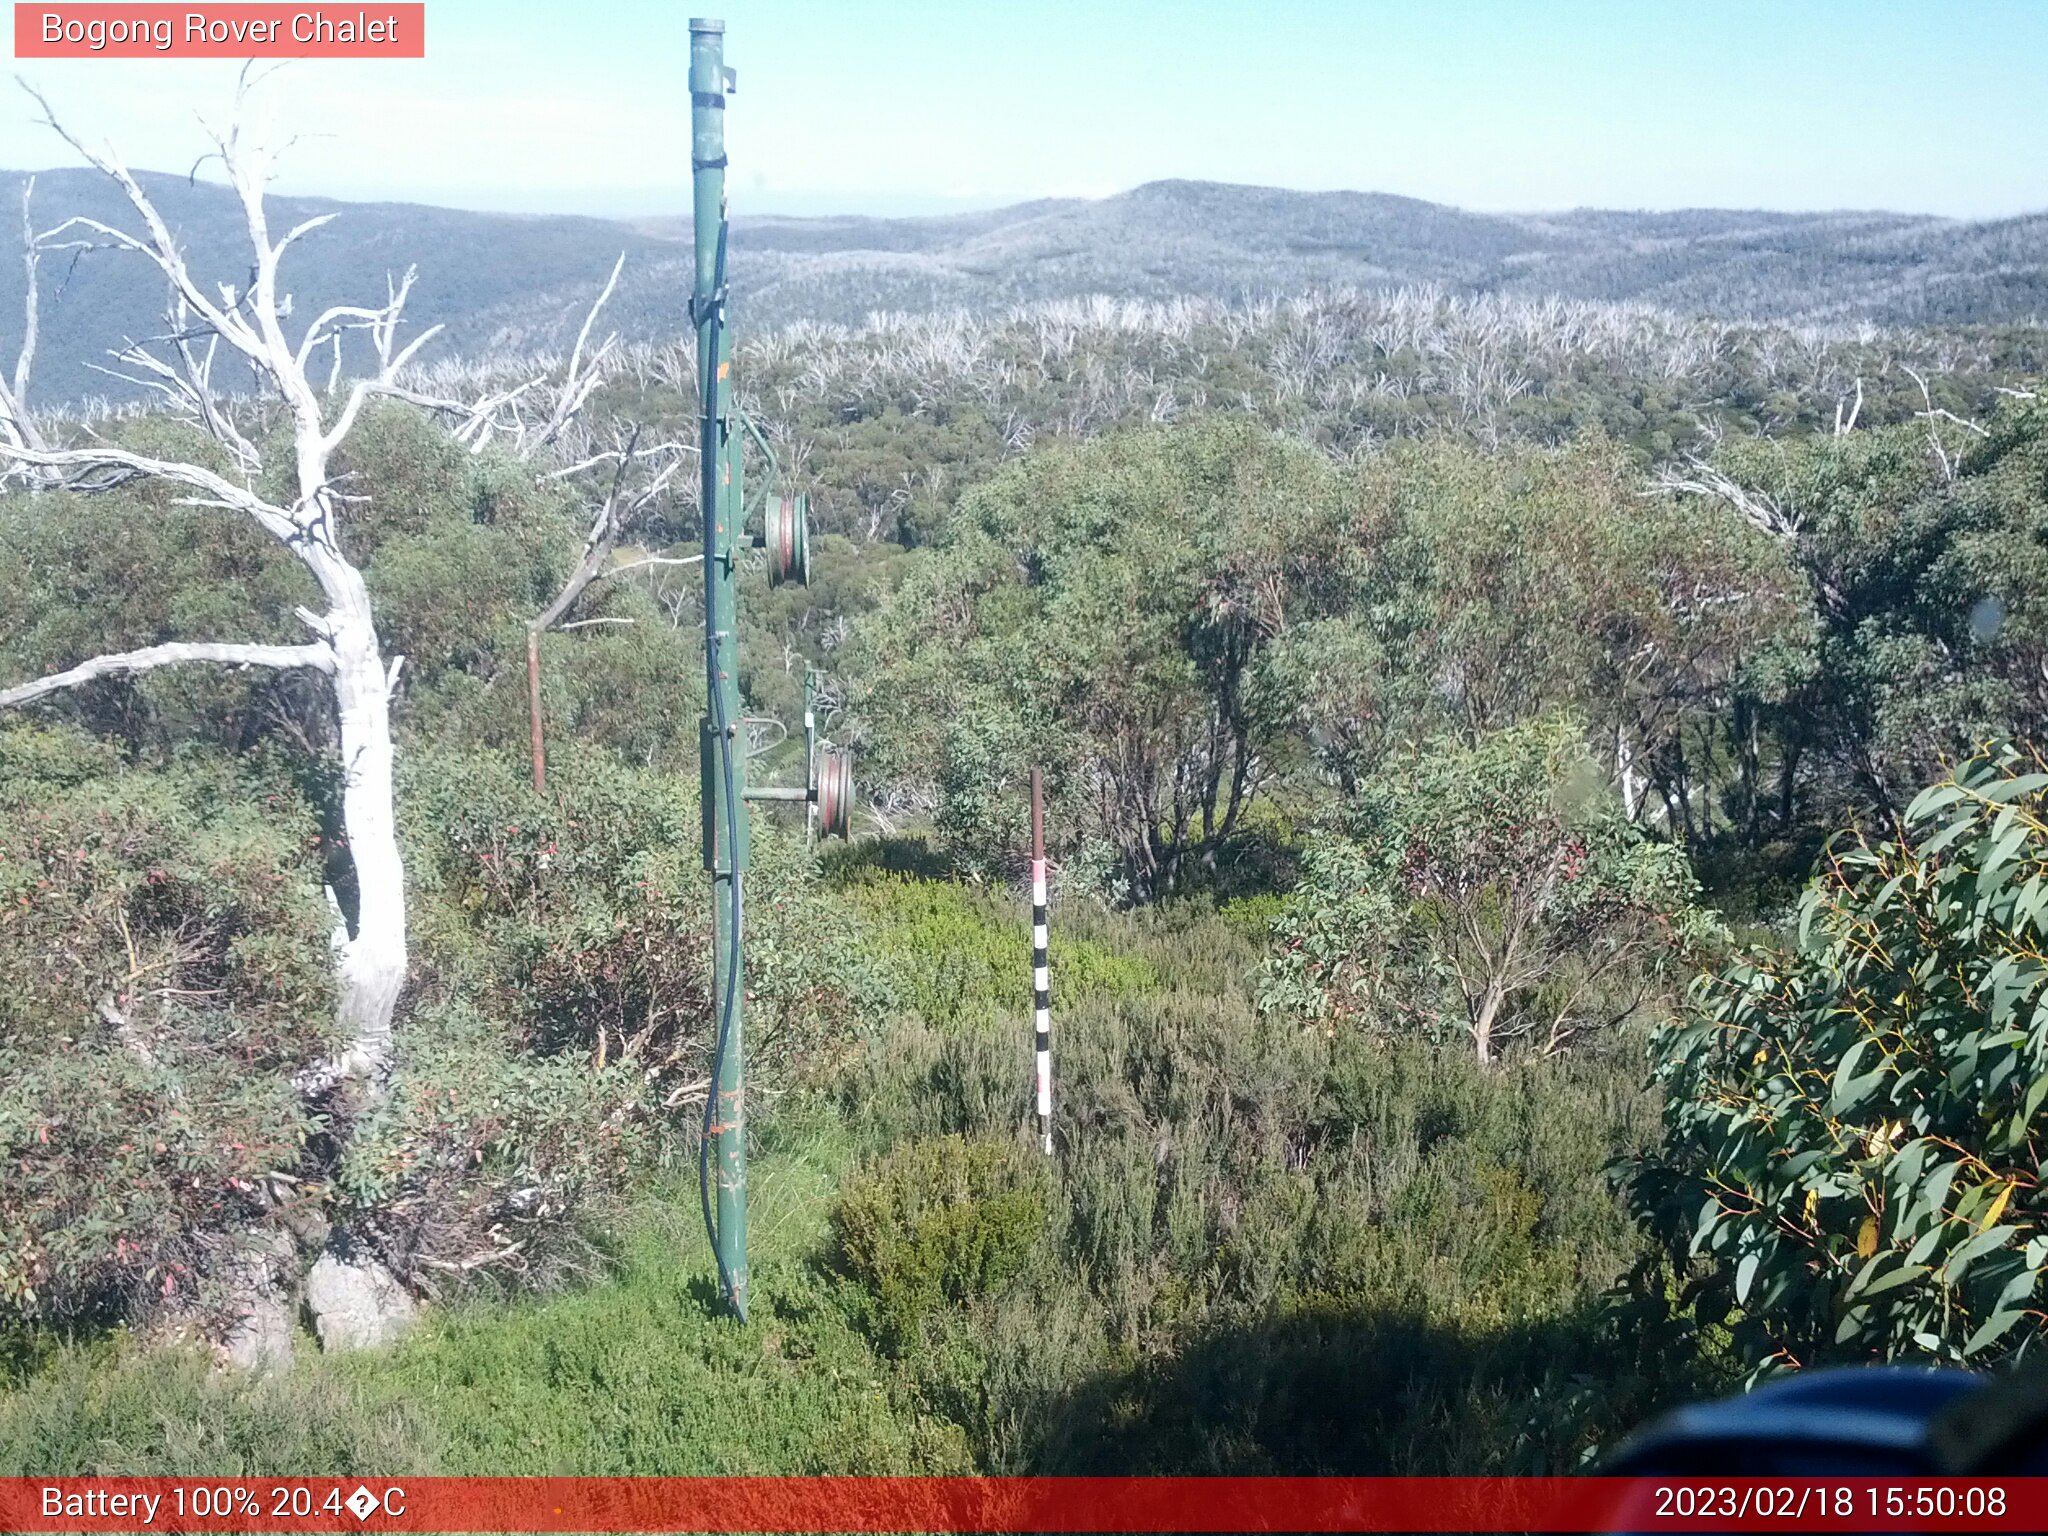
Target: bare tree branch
x: 621, y: 505
x: 1846, y: 423
x: 14, y: 417
x: 101, y: 469
x: 647, y: 560
x: 578, y: 383
x: 173, y: 653
x: 1700, y: 478
x: 1935, y: 414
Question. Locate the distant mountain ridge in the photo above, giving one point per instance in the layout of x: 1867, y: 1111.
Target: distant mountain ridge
x: 1234, y: 242
x: 521, y: 282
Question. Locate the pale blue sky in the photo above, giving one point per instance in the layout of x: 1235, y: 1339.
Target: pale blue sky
x: 924, y: 104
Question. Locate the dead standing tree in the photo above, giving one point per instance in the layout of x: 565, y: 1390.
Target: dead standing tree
x: 14, y: 418
x: 533, y: 415
x: 343, y: 646
x: 624, y: 503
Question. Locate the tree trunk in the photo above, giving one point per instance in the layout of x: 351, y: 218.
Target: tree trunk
x: 1706, y: 777
x: 1483, y: 1020
x: 373, y: 955
x: 1625, y: 772
x: 1682, y: 789
x: 1745, y: 731
x: 1788, y: 782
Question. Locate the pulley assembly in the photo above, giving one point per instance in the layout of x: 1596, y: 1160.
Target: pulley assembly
x: 827, y: 790
x: 829, y: 776
x: 835, y: 793
x: 786, y: 535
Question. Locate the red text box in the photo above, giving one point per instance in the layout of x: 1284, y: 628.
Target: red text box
x: 258, y: 31
x: 385, y: 1506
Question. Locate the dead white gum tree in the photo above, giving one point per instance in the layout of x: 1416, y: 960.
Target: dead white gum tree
x: 536, y: 414
x: 342, y: 646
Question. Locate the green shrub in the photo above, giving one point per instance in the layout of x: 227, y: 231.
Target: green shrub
x: 116, y: 1410
x: 963, y: 956
x: 1853, y: 1148
x: 1489, y: 890
x: 1252, y: 1214
x: 485, y: 1164
x: 1255, y: 914
x: 133, y: 567
x: 560, y: 1034
x: 577, y: 919
x: 164, y: 971
x: 1102, y: 607
x: 640, y: 1373
x: 582, y: 919
x: 935, y: 1221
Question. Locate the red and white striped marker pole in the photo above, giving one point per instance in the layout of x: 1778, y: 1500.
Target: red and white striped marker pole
x: 1041, y: 971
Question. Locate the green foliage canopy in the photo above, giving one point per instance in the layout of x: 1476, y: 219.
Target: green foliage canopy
x: 1853, y: 1124
x: 1473, y: 590
x: 1101, y: 608
x: 1490, y: 890
x: 1925, y: 549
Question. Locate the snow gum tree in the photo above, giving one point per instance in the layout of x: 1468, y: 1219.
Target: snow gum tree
x: 246, y: 320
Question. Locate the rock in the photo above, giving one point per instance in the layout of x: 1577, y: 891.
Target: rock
x: 355, y: 1301
x: 262, y: 1340
x: 261, y: 1337
x: 306, y: 1224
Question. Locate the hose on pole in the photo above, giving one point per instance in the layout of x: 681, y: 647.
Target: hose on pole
x: 711, y: 465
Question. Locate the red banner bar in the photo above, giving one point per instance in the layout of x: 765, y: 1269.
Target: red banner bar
x: 101, y: 31
x: 970, y: 1504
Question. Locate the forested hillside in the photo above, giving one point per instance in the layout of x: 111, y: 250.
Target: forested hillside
x: 1173, y: 238
x: 1516, y: 764
x: 511, y: 284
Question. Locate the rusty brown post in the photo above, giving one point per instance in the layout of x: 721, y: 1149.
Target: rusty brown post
x: 540, y: 751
